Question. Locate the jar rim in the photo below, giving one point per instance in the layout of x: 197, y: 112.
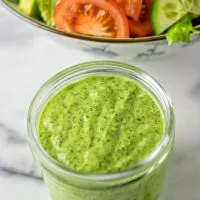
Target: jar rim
x: 156, y: 155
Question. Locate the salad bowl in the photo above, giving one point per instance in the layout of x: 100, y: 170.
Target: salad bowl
x: 143, y: 48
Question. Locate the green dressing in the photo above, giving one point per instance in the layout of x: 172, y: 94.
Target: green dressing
x: 100, y: 124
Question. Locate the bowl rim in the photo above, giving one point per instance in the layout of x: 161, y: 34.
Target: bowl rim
x: 11, y: 7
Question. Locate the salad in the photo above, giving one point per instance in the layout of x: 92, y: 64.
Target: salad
x: 118, y: 18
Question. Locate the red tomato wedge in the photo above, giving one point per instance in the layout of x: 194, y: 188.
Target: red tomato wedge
x: 140, y: 29
x: 132, y: 8
x: 143, y: 27
x: 101, y: 18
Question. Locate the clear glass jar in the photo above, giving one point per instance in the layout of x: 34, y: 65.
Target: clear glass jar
x: 142, y: 182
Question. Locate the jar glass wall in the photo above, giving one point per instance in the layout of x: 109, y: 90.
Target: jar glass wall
x: 143, y: 181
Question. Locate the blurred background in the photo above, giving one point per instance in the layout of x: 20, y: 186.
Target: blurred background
x: 28, y: 57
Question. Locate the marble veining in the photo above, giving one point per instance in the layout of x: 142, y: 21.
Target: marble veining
x: 15, y: 155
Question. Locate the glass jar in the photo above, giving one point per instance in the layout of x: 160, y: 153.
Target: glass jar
x: 142, y: 182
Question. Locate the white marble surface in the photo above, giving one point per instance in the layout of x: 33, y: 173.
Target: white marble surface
x: 28, y: 57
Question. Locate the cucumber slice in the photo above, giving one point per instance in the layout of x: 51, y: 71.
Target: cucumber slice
x: 192, y: 6
x: 165, y: 13
x: 29, y: 7
x: 193, y: 16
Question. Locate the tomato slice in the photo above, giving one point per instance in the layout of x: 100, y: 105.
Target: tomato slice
x: 143, y: 27
x: 132, y: 8
x: 140, y: 29
x: 101, y: 18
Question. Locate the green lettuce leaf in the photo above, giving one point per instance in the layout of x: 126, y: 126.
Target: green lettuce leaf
x: 46, y: 8
x: 181, y: 31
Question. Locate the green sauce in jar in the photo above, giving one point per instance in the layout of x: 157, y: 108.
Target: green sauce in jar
x: 100, y: 124
x: 102, y: 131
